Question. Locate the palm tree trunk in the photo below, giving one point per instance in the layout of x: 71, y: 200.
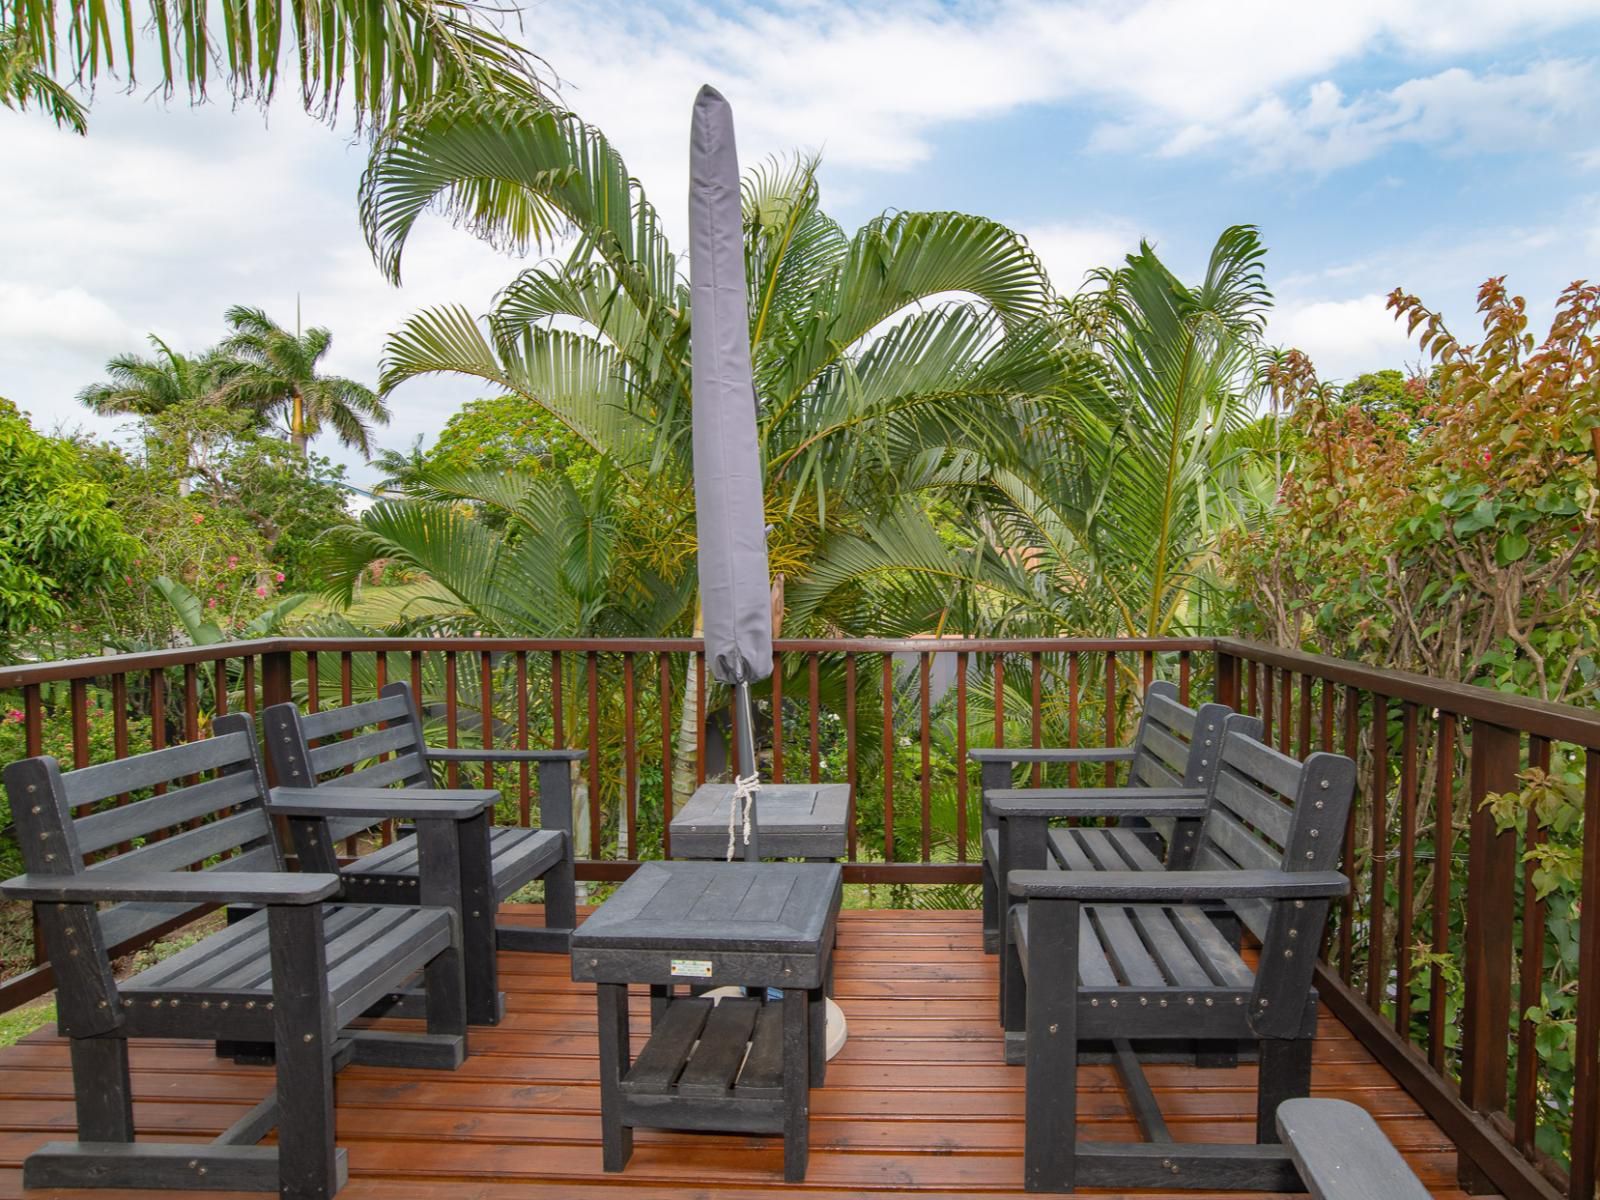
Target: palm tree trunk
x: 686, y: 754
x: 297, y: 422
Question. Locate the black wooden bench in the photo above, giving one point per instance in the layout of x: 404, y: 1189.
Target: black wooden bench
x: 1162, y: 760
x: 294, y: 972
x: 383, y: 741
x: 1341, y: 1153
x: 1123, y: 952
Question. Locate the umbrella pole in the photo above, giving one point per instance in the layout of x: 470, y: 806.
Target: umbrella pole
x: 744, y: 730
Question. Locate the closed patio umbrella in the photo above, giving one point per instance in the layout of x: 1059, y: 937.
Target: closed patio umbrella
x: 735, y: 589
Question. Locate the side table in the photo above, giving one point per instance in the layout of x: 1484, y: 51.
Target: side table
x: 741, y: 1065
x: 797, y: 820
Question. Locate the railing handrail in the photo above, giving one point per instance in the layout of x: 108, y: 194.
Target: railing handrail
x: 1555, y: 721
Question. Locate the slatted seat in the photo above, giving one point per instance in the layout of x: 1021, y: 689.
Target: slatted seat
x: 713, y: 1049
x: 1114, y: 947
x: 377, y: 748
x: 1167, y: 761
x: 291, y: 975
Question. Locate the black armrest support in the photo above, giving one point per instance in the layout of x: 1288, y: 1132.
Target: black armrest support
x: 115, y: 885
x: 418, y: 804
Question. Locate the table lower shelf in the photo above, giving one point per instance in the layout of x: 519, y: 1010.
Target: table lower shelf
x: 706, y: 1050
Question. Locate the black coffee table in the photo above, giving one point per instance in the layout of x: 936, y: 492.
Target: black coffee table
x: 797, y: 820
x: 742, y: 1064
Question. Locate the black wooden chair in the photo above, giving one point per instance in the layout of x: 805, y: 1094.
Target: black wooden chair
x: 1167, y: 759
x: 293, y: 973
x: 1123, y: 952
x: 312, y: 751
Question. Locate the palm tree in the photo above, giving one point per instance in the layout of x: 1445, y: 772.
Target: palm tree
x: 147, y: 386
x: 403, y: 471
x: 877, y: 355
x: 22, y: 83
x: 274, y: 372
x: 380, y: 58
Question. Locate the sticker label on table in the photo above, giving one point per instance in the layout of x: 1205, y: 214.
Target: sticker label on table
x: 692, y: 968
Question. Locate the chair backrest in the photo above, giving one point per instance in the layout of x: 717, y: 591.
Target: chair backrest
x: 1271, y: 812
x: 377, y: 743
x: 1164, y: 745
x: 211, y: 813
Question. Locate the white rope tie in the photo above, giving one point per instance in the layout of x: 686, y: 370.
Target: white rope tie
x: 745, y: 788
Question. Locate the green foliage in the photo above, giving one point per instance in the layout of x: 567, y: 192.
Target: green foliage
x: 60, y: 544
x: 22, y: 82
x: 380, y: 58
x: 505, y: 432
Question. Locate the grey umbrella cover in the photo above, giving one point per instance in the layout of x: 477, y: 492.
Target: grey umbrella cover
x: 735, y: 589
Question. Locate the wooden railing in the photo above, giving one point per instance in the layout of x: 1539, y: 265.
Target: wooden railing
x: 895, y: 719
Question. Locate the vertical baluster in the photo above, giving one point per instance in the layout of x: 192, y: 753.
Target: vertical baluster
x: 1252, y: 689
x: 630, y: 758
x: 1268, y: 710
x: 593, y: 660
x: 558, y: 712
x: 1035, y: 717
x: 220, y: 686
x: 1531, y: 972
x: 524, y: 800
x: 1111, y: 716
x: 999, y: 700
x: 380, y: 663
x: 1347, y: 906
x: 961, y: 756
x: 850, y: 746
x: 1305, y: 715
x: 416, y: 677
x: 33, y: 743
x: 191, y: 716
x: 700, y: 717
x: 1286, y: 712
x: 1147, y: 670
x: 158, y: 715
x: 1184, y: 668
x: 1495, y: 756
x: 247, y: 684
x: 777, y: 718
x: 1444, y: 836
x: 1377, y: 972
x: 924, y: 721
x: 814, y: 702
x: 78, y: 704
x: 1072, y: 713
x: 119, y: 735
x: 451, y: 714
x: 313, y: 685
x: 888, y: 758
x: 1408, y: 871
x: 664, y: 694
x: 1586, y: 1081
x: 1327, y: 715
x: 486, y: 716
x: 380, y: 672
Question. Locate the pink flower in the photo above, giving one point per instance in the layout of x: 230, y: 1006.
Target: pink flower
x: 1487, y: 457
x: 279, y: 576
x: 13, y: 716
x: 199, y: 518
x: 211, y: 603
x: 127, y: 579
x: 233, y: 560
x: 262, y: 590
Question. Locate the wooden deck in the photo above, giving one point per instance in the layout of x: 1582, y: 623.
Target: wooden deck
x: 919, y: 1102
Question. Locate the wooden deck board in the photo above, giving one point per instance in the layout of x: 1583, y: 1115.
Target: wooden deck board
x: 919, y: 1102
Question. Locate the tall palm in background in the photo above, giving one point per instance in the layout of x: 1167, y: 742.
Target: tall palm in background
x: 375, y: 58
x: 877, y: 355
x: 24, y: 82
x: 274, y: 372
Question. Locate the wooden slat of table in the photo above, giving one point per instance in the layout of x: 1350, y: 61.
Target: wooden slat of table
x: 919, y: 1101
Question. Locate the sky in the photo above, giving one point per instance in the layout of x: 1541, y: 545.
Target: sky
x: 1426, y: 144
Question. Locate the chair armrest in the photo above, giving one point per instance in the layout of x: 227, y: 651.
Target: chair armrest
x: 419, y: 804
x: 116, y: 885
x: 498, y: 754
x: 1177, y: 887
x: 1095, y: 802
x: 1048, y: 754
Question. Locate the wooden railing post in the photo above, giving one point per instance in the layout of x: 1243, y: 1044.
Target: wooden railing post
x: 1495, y: 758
x: 277, y: 687
x: 1227, y: 685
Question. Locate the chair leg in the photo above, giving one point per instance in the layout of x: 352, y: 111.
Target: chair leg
x: 797, y: 1049
x: 444, y: 983
x: 1013, y: 985
x: 101, y: 1087
x: 616, y: 1139
x: 302, y: 1021
x: 991, y: 910
x: 1285, y: 1075
x: 1050, y: 1103
x: 560, y: 896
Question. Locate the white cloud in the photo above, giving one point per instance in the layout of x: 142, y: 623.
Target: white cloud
x: 1343, y: 337
x: 1069, y: 250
